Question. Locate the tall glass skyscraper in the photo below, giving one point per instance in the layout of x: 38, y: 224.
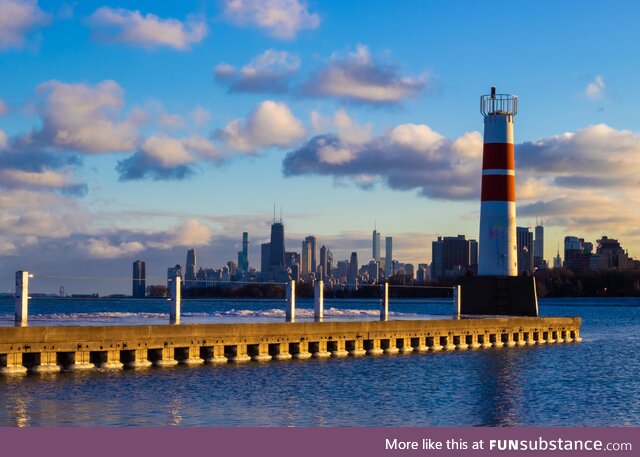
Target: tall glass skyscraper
x: 388, y: 267
x: 139, y: 279
x: 352, y: 277
x: 243, y: 256
x: 312, y: 241
x: 190, y: 269
x: 538, y: 247
x: 323, y: 263
x: 276, y: 249
x: 376, y: 245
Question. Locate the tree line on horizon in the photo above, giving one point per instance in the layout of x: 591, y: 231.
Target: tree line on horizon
x: 553, y: 283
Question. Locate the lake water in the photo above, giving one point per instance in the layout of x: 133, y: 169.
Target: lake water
x: 596, y: 382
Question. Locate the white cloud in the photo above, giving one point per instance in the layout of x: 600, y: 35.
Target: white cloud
x: 162, y: 157
x: 200, y: 116
x: 596, y: 89
x: 44, y: 178
x: 17, y: 19
x: 335, y: 155
x: 4, y: 142
x: 191, y: 233
x: 147, y: 31
x: 269, y: 124
x: 84, y: 117
x: 101, y: 248
x: 349, y: 130
x: 268, y: 72
x: 279, y: 18
x: 357, y: 77
x: 7, y: 248
x: 39, y: 213
x: 166, y: 151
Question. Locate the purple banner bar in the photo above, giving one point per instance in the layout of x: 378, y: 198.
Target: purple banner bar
x: 319, y: 442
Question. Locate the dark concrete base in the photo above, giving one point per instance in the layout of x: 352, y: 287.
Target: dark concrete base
x: 499, y: 295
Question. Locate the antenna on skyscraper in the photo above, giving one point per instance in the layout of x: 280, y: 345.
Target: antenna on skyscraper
x: 281, y: 214
x: 274, y: 212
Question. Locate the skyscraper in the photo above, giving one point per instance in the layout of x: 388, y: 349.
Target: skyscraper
x: 557, y: 260
x: 524, y: 243
x: 306, y: 258
x: 173, y: 272
x: 276, y: 250
x: 352, y: 277
x: 452, y: 256
x: 323, y: 262
x: 577, y: 253
x: 388, y: 270
x: 139, y: 279
x: 243, y: 256
x: 376, y: 245
x: 190, y: 269
x: 265, y: 257
x: 312, y: 241
x: 538, y: 248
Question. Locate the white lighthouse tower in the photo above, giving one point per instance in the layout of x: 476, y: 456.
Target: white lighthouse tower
x: 498, y: 245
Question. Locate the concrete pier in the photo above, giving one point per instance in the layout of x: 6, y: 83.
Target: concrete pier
x: 50, y: 349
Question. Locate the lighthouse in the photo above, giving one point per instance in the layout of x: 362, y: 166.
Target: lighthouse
x: 498, y: 246
x: 498, y: 290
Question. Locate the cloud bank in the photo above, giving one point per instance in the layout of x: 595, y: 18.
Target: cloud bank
x: 147, y: 31
x: 278, y: 18
x: 18, y: 18
x: 358, y: 77
x: 270, y: 72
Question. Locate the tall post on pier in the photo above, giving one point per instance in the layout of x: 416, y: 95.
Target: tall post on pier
x: 457, y: 296
x: 318, y: 301
x: 384, y: 302
x: 174, y: 314
x: 290, y: 312
x: 22, y: 298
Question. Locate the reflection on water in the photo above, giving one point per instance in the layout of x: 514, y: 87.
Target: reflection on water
x: 593, y: 383
x: 501, y: 395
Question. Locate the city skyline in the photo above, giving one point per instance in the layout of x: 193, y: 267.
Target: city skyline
x: 121, y: 141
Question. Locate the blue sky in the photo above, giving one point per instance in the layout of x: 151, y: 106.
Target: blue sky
x: 141, y: 129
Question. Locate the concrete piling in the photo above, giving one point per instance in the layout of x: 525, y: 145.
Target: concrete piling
x: 164, y: 357
x: 215, y: 355
x: 374, y: 348
x: 136, y: 359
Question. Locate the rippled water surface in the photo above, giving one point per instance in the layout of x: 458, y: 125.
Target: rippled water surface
x: 596, y: 382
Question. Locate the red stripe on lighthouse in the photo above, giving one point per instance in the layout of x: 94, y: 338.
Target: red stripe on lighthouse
x: 498, y: 156
x: 498, y: 188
